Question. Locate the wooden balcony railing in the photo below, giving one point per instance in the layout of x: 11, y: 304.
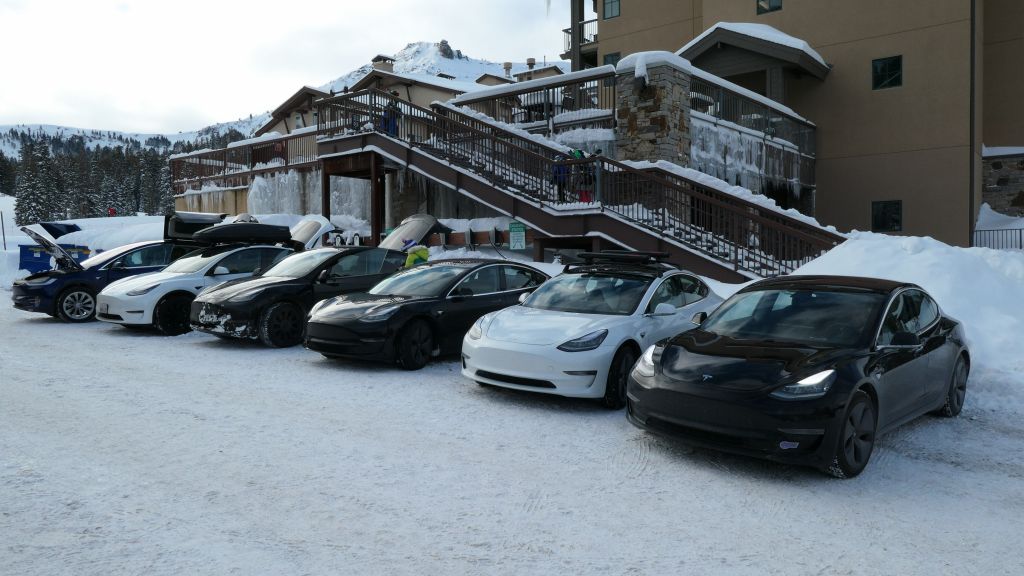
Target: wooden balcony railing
x: 237, y: 164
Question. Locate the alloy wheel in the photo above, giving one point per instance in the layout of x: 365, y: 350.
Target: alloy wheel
x: 78, y: 305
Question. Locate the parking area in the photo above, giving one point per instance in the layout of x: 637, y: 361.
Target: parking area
x: 128, y: 452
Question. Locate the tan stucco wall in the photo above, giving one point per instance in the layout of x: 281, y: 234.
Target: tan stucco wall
x: 1003, y: 49
x: 231, y: 201
x: 648, y: 25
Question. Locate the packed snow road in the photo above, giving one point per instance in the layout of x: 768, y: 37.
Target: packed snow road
x: 130, y: 453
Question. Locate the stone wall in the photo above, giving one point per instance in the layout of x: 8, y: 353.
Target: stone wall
x: 1004, y: 184
x: 653, y: 118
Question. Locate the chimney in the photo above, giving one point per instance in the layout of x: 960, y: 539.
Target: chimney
x: 382, y: 62
x: 508, y: 69
x: 531, y: 62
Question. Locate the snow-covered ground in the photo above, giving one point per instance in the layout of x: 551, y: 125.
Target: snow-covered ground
x: 126, y: 453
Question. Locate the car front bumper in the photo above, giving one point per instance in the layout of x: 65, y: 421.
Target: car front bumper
x: 537, y: 368
x: 804, y: 432
x: 123, y: 310
x: 223, y: 320
x: 33, y: 298
x: 371, y: 342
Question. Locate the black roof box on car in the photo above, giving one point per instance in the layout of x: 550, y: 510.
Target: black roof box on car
x: 245, y: 233
x: 182, y: 225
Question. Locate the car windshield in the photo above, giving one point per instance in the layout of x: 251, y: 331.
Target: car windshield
x: 300, y: 264
x: 590, y: 294
x: 420, y: 281
x: 197, y: 259
x: 819, y: 318
x: 106, y: 256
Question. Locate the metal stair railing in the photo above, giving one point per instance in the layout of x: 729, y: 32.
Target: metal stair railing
x: 725, y: 228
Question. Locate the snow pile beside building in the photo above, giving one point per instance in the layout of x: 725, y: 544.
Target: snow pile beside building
x: 989, y: 219
x: 978, y: 286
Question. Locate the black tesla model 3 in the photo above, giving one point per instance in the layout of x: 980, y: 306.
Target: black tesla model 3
x: 417, y: 313
x: 272, y: 306
x: 804, y: 369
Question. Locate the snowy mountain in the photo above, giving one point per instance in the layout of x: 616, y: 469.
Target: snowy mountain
x: 427, y: 58
x: 430, y: 58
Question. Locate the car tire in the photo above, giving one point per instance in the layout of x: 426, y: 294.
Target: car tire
x: 957, y: 390
x: 414, y: 345
x: 281, y: 325
x: 170, y: 316
x: 76, y: 305
x: 856, y: 437
x: 618, y: 376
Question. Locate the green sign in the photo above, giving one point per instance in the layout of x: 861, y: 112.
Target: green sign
x: 517, y: 236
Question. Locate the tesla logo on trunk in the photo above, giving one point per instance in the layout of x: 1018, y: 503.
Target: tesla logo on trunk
x: 705, y: 377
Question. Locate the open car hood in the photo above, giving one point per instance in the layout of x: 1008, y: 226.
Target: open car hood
x: 182, y: 225
x: 416, y: 228
x: 64, y: 260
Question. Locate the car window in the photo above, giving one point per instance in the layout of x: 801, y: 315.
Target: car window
x: 896, y: 319
x: 928, y: 312
x: 590, y: 294
x: 271, y: 256
x: 358, y: 264
x: 482, y: 281
x: 148, y: 256
x: 179, y: 250
x: 517, y: 278
x: 677, y: 291
x: 243, y: 261
x: 393, y: 261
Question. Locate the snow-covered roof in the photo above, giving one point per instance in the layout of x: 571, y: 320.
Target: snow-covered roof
x: 530, y: 85
x: 997, y: 151
x: 457, y: 86
x: 639, y: 62
x: 755, y: 37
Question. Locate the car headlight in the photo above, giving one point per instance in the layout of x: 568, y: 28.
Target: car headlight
x: 645, y: 365
x: 141, y: 291
x: 479, y: 327
x: 586, y: 342
x: 379, y: 313
x: 814, y: 386
x: 42, y: 281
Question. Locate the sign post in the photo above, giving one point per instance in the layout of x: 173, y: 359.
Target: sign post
x: 516, y: 236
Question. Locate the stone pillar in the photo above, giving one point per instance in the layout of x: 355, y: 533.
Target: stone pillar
x: 653, y: 116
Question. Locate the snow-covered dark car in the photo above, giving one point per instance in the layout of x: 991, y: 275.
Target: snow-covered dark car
x: 417, y: 313
x: 69, y: 290
x: 272, y: 307
x: 804, y: 369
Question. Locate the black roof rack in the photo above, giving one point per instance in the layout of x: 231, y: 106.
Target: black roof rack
x: 622, y: 261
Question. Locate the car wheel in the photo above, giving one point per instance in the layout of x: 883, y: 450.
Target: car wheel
x: 618, y: 377
x: 76, y: 305
x: 281, y: 325
x: 171, y: 315
x: 415, y: 345
x: 856, y: 438
x: 957, y: 389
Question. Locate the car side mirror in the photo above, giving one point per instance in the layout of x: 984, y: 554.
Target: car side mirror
x: 220, y: 271
x: 905, y: 340
x: 117, y: 265
x: 524, y: 296
x: 664, y: 309
x: 699, y: 318
x: 257, y: 271
x: 322, y: 276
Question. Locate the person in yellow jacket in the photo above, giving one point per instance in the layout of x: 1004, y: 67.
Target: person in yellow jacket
x: 415, y: 253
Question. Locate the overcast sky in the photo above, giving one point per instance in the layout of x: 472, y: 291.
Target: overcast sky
x: 163, y: 67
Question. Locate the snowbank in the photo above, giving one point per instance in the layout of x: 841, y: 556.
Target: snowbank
x: 980, y: 287
x: 989, y: 219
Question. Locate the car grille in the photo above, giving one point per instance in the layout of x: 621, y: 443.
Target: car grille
x: 514, y: 379
x: 110, y: 317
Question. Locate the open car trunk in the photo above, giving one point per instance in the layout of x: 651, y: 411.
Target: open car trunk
x: 183, y: 225
x: 416, y: 228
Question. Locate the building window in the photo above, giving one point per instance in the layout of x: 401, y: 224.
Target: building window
x: 612, y: 58
x: 887, y: 73
x: 611, y: 9
x: 766, y: 6
x: 887, y: 216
